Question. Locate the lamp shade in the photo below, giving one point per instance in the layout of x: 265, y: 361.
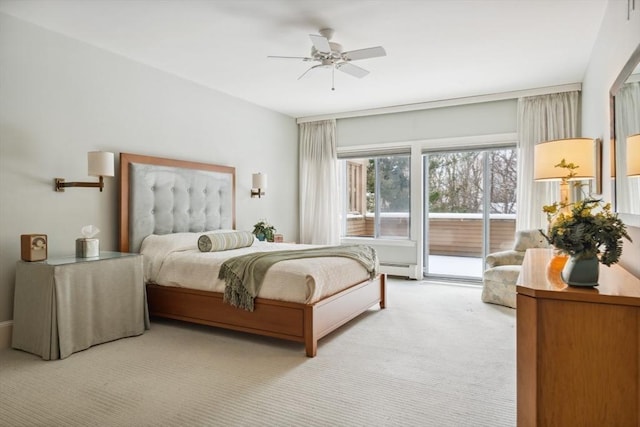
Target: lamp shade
x: 100, y: 163
x: 259, y: 180
x: 579, y: 151
x: 633, y: 155
x: 612, y: 158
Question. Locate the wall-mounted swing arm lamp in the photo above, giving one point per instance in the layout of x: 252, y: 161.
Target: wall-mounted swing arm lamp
x: 633, y: 155
x: 100, y: 165
x: 579, y: 151
x: 258, y: 185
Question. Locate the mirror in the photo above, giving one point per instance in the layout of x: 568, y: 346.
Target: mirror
x: 625, y: 121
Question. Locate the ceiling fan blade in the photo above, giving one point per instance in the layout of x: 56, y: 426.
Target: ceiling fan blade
x: 351, y: 69
x: 320, y: 43
x: 304, y: 58
x: 370, y: 52
x: 310, y: 69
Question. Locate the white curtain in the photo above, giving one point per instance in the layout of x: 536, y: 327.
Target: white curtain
x: 319, y: 201
x: 540, y: 118
x: 627, y: 110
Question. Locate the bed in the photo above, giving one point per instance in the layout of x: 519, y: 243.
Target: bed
x: 160, y: 197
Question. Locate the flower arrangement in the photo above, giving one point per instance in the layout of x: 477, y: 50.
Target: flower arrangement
x: 582, y: 228
x: 264, y: 231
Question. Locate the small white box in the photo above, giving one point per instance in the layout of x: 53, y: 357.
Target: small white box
x: 87, y: 248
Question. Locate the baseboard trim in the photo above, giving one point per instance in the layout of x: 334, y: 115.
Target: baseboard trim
x: 410, y: 271
x: 5, y: 333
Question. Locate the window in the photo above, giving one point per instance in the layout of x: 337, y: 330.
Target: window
x: 377, y: 198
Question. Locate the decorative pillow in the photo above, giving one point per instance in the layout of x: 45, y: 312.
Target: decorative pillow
x: 527, y: 239
x: 169, y: 242
x: 223, y: 241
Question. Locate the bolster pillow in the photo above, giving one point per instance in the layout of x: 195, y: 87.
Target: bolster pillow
x: 224, y: 241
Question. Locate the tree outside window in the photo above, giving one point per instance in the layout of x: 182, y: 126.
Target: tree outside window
x: 455, y: 181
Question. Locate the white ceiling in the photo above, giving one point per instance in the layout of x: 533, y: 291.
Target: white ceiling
x: 436, y: 49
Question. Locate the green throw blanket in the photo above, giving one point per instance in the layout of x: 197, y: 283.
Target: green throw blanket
x: 244, y: 275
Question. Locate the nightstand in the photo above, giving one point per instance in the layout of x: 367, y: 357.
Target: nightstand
x: 64, y: 305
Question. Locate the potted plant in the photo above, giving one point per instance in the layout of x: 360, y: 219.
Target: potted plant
x: 586, y: 229
x: 588, y: 232
x: 264, y: 231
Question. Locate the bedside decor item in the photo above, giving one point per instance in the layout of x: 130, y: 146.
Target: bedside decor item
x: 88, y: 246
x: 33, y: 247
x: 258, y: 184
x: 581, y: 232
x: 100, y: 165
x: 264, y: 231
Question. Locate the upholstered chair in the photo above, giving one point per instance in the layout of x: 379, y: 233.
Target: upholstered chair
x: 503, y: 268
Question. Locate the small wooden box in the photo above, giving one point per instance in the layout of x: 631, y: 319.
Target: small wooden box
x: 278, y: 238
x: 33, y: 247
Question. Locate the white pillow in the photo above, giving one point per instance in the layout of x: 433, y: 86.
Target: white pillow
x: 169, y: 242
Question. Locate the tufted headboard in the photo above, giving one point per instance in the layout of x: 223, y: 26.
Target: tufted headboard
x: 163, y: 196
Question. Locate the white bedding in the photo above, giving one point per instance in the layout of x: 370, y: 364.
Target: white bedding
x: 174, y: 260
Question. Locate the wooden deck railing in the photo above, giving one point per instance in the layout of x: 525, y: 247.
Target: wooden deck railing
x: 448, y: 234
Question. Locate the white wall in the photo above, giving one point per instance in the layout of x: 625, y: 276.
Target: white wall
x: 450, y: 122
x: 617, y: 39
x: 60, y: 98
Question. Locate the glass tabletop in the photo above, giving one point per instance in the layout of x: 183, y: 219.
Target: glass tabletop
x: 73, y: 259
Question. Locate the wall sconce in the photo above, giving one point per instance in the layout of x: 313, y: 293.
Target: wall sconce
x: 100, y: 165
x: 259, y: 184
x: 633, y: 155
x: 579, y: 151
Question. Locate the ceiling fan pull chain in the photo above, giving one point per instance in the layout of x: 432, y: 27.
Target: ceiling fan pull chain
x: 333, y: 80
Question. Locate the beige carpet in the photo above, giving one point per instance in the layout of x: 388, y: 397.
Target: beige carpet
x: 437, y: 356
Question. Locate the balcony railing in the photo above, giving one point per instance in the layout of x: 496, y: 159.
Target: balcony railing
x: 449, y: 234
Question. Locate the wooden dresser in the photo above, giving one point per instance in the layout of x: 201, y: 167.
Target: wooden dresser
x: 578, y: 349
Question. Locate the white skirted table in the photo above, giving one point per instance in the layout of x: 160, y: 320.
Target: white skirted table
x: 65, y: 305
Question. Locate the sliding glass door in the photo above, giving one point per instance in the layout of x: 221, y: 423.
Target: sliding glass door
x: 469, y: 209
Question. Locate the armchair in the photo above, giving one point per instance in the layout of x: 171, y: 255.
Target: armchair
x: 503, y: 268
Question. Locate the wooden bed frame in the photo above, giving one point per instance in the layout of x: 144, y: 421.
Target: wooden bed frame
x: 305, y: 323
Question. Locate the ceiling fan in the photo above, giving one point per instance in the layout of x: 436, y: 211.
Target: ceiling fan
x: 330, y: 55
